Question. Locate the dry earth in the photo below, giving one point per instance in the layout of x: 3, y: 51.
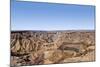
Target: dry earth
x: 51, y: 47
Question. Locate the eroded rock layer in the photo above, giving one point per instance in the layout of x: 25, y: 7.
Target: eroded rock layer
x: 50, y: 47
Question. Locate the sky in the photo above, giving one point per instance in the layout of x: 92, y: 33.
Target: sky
x: 51, y: 16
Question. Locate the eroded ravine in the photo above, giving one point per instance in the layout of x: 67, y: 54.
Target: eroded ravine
x: 48, y: 47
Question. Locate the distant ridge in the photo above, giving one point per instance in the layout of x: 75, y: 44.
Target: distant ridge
x: 52, y: 30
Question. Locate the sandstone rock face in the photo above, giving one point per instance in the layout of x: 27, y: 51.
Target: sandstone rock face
x: 51, y: 47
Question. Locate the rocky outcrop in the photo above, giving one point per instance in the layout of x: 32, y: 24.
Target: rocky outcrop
x: 50, y: 47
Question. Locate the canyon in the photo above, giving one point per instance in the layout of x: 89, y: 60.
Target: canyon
x: 52, y: 47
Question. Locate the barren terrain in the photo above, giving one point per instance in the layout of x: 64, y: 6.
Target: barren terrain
x: 51, y: 47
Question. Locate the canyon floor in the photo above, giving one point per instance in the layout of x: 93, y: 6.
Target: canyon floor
x: 52, y: 47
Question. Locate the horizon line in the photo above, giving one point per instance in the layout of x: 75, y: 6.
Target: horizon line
x: 57, y: 30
